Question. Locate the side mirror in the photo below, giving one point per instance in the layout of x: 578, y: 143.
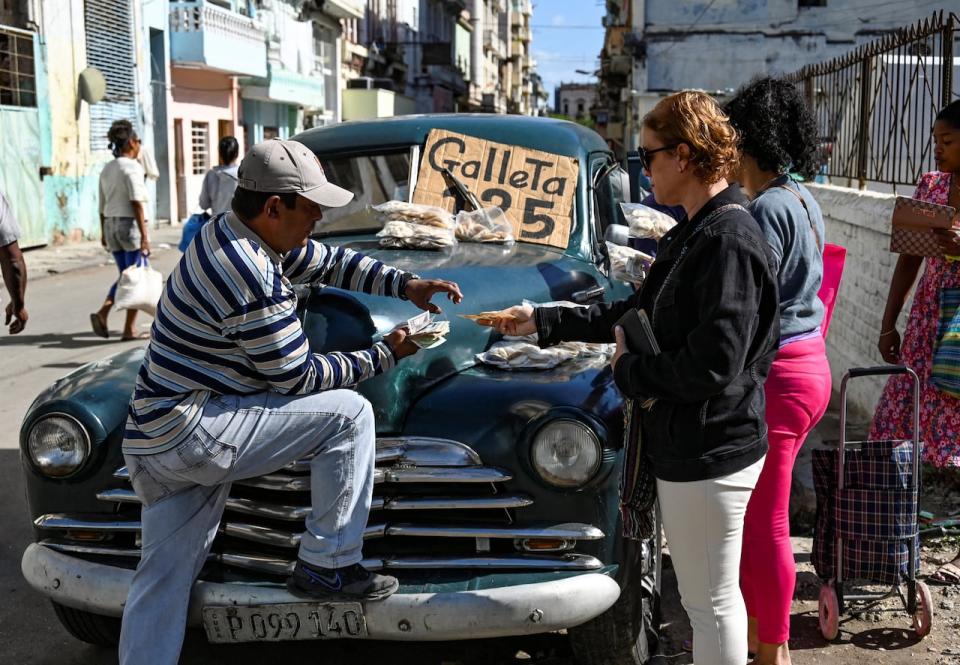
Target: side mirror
x: 618, y: 234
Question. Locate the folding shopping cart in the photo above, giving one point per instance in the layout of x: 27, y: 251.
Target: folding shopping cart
x: 867, y: 519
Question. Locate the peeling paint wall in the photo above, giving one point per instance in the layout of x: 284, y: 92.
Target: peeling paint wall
x: 734, y: 40
x: 71, y: 190
x: 70, y: 214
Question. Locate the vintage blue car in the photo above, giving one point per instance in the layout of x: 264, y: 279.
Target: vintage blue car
x: 496, y: 502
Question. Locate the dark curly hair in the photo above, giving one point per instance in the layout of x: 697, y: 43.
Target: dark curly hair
x: 119, y: 136
x: 950, y: 114
x: 776, y: 126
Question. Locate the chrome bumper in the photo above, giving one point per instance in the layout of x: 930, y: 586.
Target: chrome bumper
x: 515, y: 610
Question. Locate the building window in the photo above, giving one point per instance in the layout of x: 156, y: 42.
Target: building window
x: 110, y: 49
x: 580, y: 107
x: 566, y: 107
x: 18, y: 83
x: 324, y: 42
x: 200, y: 147
x: 811, y: 3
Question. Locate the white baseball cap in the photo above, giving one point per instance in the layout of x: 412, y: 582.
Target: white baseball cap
x: 282, y: 167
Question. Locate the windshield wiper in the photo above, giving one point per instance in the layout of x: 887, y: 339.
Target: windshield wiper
x: 461, y: 188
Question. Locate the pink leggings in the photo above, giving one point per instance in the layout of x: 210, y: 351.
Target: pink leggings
x: 797, y: 393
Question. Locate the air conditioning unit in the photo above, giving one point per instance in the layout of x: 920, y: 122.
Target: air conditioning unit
x: 360, y: 83
x: 370, y: 83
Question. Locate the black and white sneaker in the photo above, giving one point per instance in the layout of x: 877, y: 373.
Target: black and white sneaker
x: 354, y: 581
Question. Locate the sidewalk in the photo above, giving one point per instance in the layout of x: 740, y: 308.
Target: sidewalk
x: 57, y: 259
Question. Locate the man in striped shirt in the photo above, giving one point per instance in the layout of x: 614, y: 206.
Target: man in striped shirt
x: 229, y: 389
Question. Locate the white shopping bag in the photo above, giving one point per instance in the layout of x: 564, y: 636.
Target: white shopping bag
x: 140, y: 287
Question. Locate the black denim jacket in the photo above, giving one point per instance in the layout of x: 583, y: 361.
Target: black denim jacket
x: 717, y: 322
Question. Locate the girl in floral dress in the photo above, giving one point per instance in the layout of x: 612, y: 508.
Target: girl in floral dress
x: 939, y: 412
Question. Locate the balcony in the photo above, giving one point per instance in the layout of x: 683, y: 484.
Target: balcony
x: 345, y: 9
x: 493, y: 42
x: 448, y: 76
x: 204, y: 35
x: 524, y: 7
x: 283, y: 85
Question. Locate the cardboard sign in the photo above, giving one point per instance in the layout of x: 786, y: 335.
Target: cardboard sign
x: 534, y: 189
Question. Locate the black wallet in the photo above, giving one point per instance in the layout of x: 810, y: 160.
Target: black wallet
x: 638, y: 332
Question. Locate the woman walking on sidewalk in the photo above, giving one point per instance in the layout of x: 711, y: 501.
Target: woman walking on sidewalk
x: 778, y: 135
x: 123, y: 224
x: 939, y: 412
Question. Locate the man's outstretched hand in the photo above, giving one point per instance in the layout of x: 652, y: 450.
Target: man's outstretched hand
x: 420, y: 291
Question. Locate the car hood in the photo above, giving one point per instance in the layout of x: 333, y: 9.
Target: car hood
x: 490, y: 277
x: 97, y: 394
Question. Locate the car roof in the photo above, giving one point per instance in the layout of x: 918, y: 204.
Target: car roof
x: 560, y: 137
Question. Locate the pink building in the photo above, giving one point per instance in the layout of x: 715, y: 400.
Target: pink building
x: 205, y: 109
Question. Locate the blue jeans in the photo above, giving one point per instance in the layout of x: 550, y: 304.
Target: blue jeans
x: 183, y: 491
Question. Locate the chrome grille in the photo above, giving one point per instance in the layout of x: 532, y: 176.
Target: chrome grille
x: 435, y: 506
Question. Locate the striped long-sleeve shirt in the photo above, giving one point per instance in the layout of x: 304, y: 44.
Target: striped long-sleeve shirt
x: 227, y: 324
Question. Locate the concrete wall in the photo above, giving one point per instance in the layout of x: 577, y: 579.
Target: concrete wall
x: 734, y: 40
x: 157, y: 124
x: 859, y: 221
x: 70, y: 193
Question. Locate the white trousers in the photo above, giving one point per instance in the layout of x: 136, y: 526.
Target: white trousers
x: 703, y: 522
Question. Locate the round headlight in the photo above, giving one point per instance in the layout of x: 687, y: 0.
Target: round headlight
x: 58, y: 445
x: 566, y: 453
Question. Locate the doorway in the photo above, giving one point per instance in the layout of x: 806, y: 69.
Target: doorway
x: 161, y: 139
x: 178, y: 165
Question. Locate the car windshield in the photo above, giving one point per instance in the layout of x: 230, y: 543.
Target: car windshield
x: 373, y: 179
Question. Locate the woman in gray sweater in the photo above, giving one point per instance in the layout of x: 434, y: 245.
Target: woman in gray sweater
x: 778, y: 138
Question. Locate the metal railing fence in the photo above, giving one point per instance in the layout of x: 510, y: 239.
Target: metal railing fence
x: 876, y: 105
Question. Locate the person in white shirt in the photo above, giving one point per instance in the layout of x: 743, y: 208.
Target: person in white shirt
x: 123, y: 224
x: 13, y: 268
x: 220, y: 182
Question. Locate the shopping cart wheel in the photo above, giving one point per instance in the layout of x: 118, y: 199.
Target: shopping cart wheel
x: 923, y: 617
x: 829, y: 611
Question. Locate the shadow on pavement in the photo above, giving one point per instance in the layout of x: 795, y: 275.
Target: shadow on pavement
x: 805, y: 632
x: 808, y: 587
x: 76, y: 340
x: 885, y: 639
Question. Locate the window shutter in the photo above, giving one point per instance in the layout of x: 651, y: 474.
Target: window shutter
x: 109, y: 29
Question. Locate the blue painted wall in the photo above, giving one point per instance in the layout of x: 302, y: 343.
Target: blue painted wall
x: 258, y: 114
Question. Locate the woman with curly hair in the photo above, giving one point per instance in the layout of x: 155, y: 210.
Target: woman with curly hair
x: 939, y: 411
x: 778, y: 138
x: 123, y: 223
x: 711, y: 295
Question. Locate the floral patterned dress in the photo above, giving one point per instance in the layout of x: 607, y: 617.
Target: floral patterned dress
x: 939, y: 412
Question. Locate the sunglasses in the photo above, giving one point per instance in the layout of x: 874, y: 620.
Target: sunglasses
x: 646, y: 156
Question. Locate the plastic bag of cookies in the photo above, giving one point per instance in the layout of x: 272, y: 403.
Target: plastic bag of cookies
x: 484, y: 225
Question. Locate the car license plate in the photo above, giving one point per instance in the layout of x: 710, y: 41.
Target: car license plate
x: 282, y: 622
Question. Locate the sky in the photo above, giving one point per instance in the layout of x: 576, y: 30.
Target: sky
x: 567, y: 35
